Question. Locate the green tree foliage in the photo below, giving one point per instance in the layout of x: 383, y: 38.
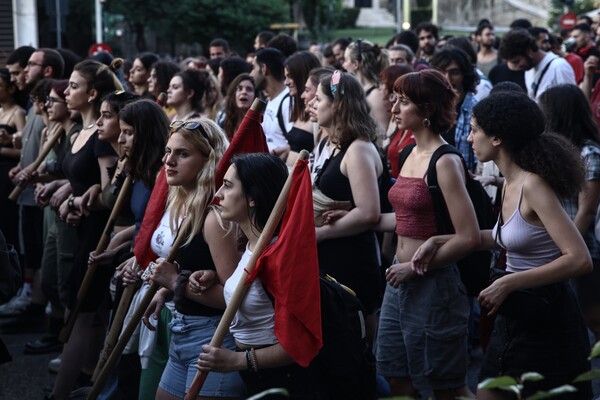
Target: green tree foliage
x: 189, y: 21
x: 321, y: 16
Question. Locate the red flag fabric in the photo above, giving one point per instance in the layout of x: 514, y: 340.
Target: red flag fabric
x: 249, y: 138
x: 289, y: 270
x: 152, y: 216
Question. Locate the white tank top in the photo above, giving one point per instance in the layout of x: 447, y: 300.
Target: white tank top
x: 254, y: 322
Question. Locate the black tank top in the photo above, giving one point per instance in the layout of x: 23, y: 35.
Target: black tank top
x: 194, y: 257
x: 299, y: 140
x: 331, y: 181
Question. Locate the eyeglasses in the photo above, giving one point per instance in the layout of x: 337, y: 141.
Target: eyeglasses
x: 51, y: 100
x: 34, y: 64
x: 176, y: 125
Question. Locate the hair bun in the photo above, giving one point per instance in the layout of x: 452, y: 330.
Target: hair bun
x: 116, y: 64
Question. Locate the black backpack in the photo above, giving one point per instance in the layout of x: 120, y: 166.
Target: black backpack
x: 474, y: 268
x: 345, y: 365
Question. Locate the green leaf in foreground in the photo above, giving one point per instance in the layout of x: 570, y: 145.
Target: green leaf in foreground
x: 531, y: 377
x: 588, y: 376
x: 500, y: 382
x: 554, y: 392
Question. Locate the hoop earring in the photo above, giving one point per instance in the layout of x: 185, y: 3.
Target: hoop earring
x: 426, y: 122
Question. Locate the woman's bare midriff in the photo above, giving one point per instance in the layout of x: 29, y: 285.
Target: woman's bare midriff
x: 406, y: 248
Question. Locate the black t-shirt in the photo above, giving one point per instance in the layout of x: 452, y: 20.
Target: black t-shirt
x: 501, y: 73
x: 81, y: 168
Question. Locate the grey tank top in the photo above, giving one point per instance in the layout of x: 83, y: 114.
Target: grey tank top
x: 527, y: 246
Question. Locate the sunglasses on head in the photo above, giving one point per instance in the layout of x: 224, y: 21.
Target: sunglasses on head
x: 176, y: 125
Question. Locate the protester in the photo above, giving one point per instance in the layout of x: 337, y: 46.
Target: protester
x: 140, y: 72
x: 366, y: 61
x: 300, y: 136
x: 239, y: 98
x: 186, y: 93
x: 85, y: 165
x: 347, y: 245
x: 568, y: 114
x: 193, y: 151
x: 12, y: 119
x: 250, y: 189
x: 423, y: 314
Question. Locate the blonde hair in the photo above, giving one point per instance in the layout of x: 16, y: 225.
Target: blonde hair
x: 195, y: 205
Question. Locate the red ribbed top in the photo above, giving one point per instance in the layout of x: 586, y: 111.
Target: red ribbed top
x: 412, y: 203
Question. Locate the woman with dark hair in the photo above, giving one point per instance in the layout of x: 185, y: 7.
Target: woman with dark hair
x: 301, y: 136
x: 323, y: 145
x: 366, y: 61
x: 250, y: 190
x: 239, y: 98
x: 483, y: 88
x: 187, y: 92
x: 462, y: 76
x: 347, y: 245
x: 396, y: 139
x: 543, y: 250
x: 424, y: 315
x: 568, y: 114
x: 160, y: 76
x: 140, y: 72
x: 85, y: 165
x: 229, y: 69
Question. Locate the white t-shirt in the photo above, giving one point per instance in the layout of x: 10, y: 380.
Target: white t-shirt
x: 254, y: 322
x: 559, y: 72
x: 275, y: 137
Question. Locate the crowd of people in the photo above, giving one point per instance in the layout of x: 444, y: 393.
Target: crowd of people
x: 79, y: 137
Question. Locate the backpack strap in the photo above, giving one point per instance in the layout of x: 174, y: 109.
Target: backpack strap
x: 442, y: 217
x: 280, y: 114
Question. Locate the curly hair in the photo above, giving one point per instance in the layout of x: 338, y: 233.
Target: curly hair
x: 198, y: 202
x: 443, y: 58
x: 233, y: 114
x: 371, y: 59
x: 518, y: 121
x: 517, y: 43
x: 299, y: 66
x: 351, y: 112
x: 100, y: 77
x: 150, y: 126
x: 433, y: 95
x: 568, y: 113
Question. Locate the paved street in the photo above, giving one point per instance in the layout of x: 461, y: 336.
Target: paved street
x: 27, y: 375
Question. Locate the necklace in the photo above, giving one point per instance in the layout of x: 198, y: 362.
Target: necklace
x: 90, y: 126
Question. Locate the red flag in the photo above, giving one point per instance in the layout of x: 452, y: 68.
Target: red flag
x: 249, y: 138
x: 152, y: 216
x: 289, y: 269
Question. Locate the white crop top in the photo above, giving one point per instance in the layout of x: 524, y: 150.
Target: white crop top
x: 254, y: 322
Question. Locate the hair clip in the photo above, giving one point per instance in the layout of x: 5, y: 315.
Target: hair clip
x: 119, y: 92
x: 335, y: 81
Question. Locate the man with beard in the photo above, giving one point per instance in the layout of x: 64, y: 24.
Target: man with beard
x: 268, y: 73
x: 487, y: 56
x: 28, y: 309
x: 542, y: 70
x: 428, y: 37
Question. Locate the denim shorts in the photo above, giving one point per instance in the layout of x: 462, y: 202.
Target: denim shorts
x: 423, y: 331
x: 188, y: 334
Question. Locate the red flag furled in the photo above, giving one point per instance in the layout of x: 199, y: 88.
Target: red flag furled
x: 289, y: 270
x: 152, y: 216
x: 249, y: 138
